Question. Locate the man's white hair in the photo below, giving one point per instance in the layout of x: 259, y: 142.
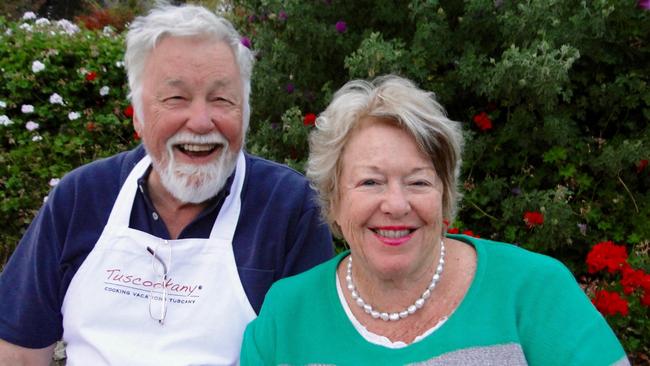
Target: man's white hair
x: 182, y: 21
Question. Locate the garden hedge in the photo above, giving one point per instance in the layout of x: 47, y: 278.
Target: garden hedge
x: 553, y: 97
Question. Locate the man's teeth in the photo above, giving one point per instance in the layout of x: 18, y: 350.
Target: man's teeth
x: 393, y: 233
x: 197, y: 148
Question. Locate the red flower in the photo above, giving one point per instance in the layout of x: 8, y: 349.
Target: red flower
x: 453, y: 230
x: 606, y: 255
x: 610, y: 303
x: 470, y: 233
x: 533, y: 219
x: 90, y: 126
x: 90, y: 76
x: 309, y: 120
x: 645, y: 300
x: 632, y: 279
x: 643, y: 163
x: 483, y: 121
x: 128, y: 111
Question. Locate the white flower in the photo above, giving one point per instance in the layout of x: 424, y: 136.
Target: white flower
x: 56, y: 99
x: 5, y: 121
x: 119, y: 64
x: 73, y: 115
x: 3, y: 104
x: 54, y: 181
x: 42, y: 21
x: 37, y: 66
x: 67, y: 26
x: 9, y: 32
x: 29, y: 15
x: 108, y: 30
x: 104, y: 90
x: 27, y: 108
x: 37, y: 138
x: 45, y: 199
x: 31, y: 126
x: 26, y: 27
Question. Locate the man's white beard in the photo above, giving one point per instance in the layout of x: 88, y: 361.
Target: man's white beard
x: 195, y: 183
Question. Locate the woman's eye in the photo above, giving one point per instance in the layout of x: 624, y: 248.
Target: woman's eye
x: 369, y: 182
x: 421, y: 183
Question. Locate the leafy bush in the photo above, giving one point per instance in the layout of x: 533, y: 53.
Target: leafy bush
x: 62, y: 93
x: 553, y: 97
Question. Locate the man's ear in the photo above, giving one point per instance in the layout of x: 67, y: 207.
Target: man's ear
x: 137, y: 125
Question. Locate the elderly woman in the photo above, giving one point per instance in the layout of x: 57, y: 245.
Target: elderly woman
x: 385, y: 160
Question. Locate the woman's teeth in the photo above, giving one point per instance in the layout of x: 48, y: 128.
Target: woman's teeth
x: 393, y: 234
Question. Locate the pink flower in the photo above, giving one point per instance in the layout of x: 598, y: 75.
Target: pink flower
x: 246, y: 42
x: 341, y: 26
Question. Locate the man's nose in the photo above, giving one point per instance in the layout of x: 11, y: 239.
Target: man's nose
x: 201, y: 117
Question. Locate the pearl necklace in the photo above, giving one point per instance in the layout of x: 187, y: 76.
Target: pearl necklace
x: 418, y: 304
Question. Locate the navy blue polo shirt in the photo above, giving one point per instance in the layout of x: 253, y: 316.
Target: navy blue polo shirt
x: 279, y: 234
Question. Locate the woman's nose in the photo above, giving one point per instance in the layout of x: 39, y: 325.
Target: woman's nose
x: 396, y: 202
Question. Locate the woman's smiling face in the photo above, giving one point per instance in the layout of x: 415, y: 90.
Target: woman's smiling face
x: 389, y: 204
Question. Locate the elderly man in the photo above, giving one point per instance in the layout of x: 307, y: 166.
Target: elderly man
x: 162, y: 255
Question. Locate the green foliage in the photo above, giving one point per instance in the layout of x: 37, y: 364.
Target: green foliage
x: 564, y: 85
x: 29, y: 160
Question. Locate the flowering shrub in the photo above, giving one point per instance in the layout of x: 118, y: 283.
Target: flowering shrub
x: 62, y: 92
x: 555, y: 119
x: 610, y: 303
x: 553, y: 98
x: 620, y: 292
x: 606, y: 255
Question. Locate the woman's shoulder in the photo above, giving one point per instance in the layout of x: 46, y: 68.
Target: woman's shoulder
x: 513, y: 259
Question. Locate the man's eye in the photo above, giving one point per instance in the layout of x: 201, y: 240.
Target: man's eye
x: 221, y: 100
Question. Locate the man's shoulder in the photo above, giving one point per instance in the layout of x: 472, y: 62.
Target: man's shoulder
x: 115, y: 167
x: 275, y: 182
x: 96, y: 184
x: 258, y: 166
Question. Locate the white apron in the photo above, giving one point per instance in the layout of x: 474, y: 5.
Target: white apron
x: 106, y: 316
